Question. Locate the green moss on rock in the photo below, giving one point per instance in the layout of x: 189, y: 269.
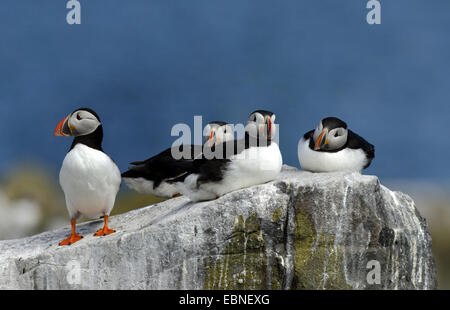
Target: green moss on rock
x: 318, y: 263
x: 242, y: 263
x: 277, y: 215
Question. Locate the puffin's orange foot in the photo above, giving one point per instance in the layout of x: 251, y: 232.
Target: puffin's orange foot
x: 104, y: 232
x: 71, y: 240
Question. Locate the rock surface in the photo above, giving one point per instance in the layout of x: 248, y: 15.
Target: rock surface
x: 301, y: 231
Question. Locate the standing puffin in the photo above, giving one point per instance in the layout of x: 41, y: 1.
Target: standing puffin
x: 255, y: 159
x: 89, y: 178
x: 333, y: 147
x: 153, y: 175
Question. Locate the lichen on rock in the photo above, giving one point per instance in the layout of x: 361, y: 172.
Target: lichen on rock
x: 318, y: 263
x: 241, y: 264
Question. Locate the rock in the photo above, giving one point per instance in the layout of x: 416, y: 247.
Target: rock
x: 301, y: 231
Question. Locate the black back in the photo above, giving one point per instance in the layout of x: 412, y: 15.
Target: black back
x: 162, y: 166
x: 212, y: 170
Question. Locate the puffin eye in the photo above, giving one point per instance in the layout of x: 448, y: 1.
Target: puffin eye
x: 339, y: 132
x: 79, y: 117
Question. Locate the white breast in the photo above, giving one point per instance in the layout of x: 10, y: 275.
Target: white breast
x: 256, y: 165
x: 90, y: 181
x: 344, y: 160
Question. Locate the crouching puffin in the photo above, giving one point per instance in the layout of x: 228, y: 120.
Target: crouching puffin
x: 154, y: 175
x: 89, y: 178
x: 253, y: 160
x: 333, y: 147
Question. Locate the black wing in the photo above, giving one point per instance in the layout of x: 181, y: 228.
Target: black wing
x: 210, y: 167
x: 208, y: 164
x: 163, y: 166
x: 310, y: 135
x: 354, y: 141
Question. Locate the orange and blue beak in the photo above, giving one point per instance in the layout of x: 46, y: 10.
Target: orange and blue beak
x: 323, y: 139
x: 210, y: 139
x: 63, y: 130
x: 269, y: 128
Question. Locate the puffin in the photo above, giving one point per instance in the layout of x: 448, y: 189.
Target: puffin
x: 89, y: 178
x: 154, y: 176
x: 333, y: 147
x: 254, y: 159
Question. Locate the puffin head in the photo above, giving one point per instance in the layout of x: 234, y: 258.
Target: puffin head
x: 218, y: 132
x: 330, y: 134
x: 81, y: 122
x: 261, y: 123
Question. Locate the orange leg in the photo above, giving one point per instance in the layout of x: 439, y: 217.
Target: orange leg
x: 105, y: 230
x: 73, y: 237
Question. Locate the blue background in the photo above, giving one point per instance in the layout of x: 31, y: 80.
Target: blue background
x: 147, y: 65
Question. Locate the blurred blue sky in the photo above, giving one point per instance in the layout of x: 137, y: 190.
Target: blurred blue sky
x: 145, y: 65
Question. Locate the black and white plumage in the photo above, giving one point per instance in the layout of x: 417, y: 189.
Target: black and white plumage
x: 154, y: 175
x: 333, y: 147
x: 253, y: 160
x: 89, y: 178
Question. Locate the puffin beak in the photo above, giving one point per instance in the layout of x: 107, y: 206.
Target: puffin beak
x: 322, y: 138
x: 63, y: 130
x: 210, y: 139
x: 269, y: 128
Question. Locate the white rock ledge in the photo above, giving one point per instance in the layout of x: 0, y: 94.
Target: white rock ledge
x: 301, y: 231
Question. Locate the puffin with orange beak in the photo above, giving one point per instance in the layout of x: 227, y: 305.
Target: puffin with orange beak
x: 154, y: 176
x: 89, y: 178
x: 333, y: 147
x: 255, y: 159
